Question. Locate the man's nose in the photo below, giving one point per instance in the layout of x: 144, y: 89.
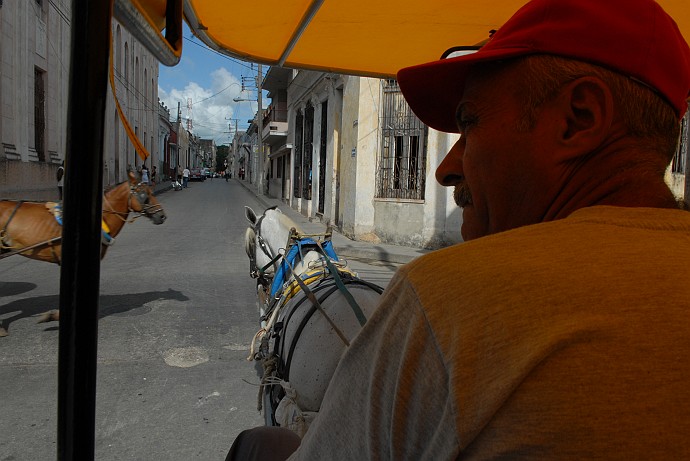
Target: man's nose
x: 450, y: 171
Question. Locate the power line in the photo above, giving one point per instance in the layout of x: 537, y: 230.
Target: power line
x: 224, y: 56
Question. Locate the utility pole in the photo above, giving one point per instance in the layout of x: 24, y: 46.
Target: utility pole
x: 234, y: 161
x: 260, y: 127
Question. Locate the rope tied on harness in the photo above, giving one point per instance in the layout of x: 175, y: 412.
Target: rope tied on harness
x: 270, y: 365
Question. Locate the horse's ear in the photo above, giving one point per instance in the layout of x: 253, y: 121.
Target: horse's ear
x: 251, y: 216
x: 132, y: 178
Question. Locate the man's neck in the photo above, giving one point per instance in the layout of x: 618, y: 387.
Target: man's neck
x: 618, y: 178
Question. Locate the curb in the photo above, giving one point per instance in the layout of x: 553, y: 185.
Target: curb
x: 160, y: 189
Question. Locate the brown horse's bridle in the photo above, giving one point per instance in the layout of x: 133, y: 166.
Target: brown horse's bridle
x: 143, y: 198
x: 139, y: 194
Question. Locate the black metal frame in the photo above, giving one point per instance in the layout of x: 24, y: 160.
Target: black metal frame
x: 81, y: 240
x: 82, y: 204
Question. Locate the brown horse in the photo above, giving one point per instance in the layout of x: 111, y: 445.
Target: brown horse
x: 31, y: 229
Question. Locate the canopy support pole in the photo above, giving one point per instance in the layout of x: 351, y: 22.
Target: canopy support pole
x: 301, y: 27
x: 81, y: 232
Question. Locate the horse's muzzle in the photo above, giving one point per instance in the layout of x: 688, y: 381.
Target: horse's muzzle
x: 158, y: 217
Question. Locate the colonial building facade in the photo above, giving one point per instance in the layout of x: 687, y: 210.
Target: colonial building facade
x: 34, y: 81
x: 34, y: 68
x: 348, y: 150
x: 136, y: 88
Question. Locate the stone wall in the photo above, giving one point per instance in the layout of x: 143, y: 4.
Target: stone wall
x: 28, y: 180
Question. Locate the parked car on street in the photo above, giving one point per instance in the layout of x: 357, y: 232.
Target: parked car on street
x: 197, y: 174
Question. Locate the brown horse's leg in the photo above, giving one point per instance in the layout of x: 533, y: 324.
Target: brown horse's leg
x: 49, y: 316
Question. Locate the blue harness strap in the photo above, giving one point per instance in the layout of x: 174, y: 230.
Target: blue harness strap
x: 106, y: 238
x: 295, y: 254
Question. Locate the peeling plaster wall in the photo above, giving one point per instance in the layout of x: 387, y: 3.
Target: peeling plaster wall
x: 431, y: 223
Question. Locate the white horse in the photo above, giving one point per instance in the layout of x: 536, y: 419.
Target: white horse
x: 306, y: 324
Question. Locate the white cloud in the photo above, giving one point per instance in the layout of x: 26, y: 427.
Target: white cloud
x: 212, y: 108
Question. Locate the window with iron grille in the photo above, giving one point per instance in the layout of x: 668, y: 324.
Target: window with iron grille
x: 401, y: 162
x: 681, y: 157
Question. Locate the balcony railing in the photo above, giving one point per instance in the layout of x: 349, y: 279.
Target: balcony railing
x: 274, y: 114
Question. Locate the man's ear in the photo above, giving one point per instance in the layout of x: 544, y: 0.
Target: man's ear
x: 588, y: 106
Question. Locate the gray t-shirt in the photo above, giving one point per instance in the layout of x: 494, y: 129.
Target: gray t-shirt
x: 566, y: 340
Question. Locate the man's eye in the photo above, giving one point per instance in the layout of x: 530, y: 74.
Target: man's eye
x: 466, y: 122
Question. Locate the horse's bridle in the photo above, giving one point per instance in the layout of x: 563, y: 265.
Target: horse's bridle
x: 255, y: 271
x: 142, y: 197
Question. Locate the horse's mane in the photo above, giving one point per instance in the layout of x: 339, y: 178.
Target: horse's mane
x: 288, y: 223
x: 109, y: 188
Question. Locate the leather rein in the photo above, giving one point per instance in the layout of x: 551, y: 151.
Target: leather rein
x: 254, y: 270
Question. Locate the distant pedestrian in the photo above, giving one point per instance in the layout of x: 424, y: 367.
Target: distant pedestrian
x: 60, y: 178
x: 185, y: 177
x: 179, y: 173
x: 153, y: 175
x: 144, y: 174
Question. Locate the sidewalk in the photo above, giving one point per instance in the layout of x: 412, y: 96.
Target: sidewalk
x: 343, y: 245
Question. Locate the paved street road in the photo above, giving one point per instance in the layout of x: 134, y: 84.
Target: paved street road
x: 176, y: 317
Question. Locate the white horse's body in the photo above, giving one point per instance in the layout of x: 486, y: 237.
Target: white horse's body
x: 300, y: 339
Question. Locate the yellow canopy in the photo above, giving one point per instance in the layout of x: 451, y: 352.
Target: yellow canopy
x: 359, y: 37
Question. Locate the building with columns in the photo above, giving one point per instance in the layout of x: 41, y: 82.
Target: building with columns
x: 354, y: 155
x: 34, y: 83
x: 34, y: 72
x: 136, y: 88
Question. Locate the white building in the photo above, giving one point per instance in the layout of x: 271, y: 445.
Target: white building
x: 34, y: 72
x: 136, y: 87
x: 357, y: 157
x: 34, y: 68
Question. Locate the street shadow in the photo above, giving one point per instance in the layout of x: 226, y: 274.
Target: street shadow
x: 15, y: 288
x: 131, y: 304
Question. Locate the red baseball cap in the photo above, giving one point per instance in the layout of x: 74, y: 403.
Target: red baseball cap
x: 636, y: 38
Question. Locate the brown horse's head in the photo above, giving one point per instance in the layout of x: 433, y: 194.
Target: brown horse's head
x: 142, y: 200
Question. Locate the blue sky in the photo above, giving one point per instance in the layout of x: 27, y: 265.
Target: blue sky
x: 211, y: 80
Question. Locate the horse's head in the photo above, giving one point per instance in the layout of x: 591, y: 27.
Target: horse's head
x: 142, y: 200
x: 266, y: 236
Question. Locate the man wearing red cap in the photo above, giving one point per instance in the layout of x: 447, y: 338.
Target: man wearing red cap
x: 559, y: 329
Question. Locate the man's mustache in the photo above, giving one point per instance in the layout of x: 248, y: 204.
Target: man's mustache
x: 462, y: 195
